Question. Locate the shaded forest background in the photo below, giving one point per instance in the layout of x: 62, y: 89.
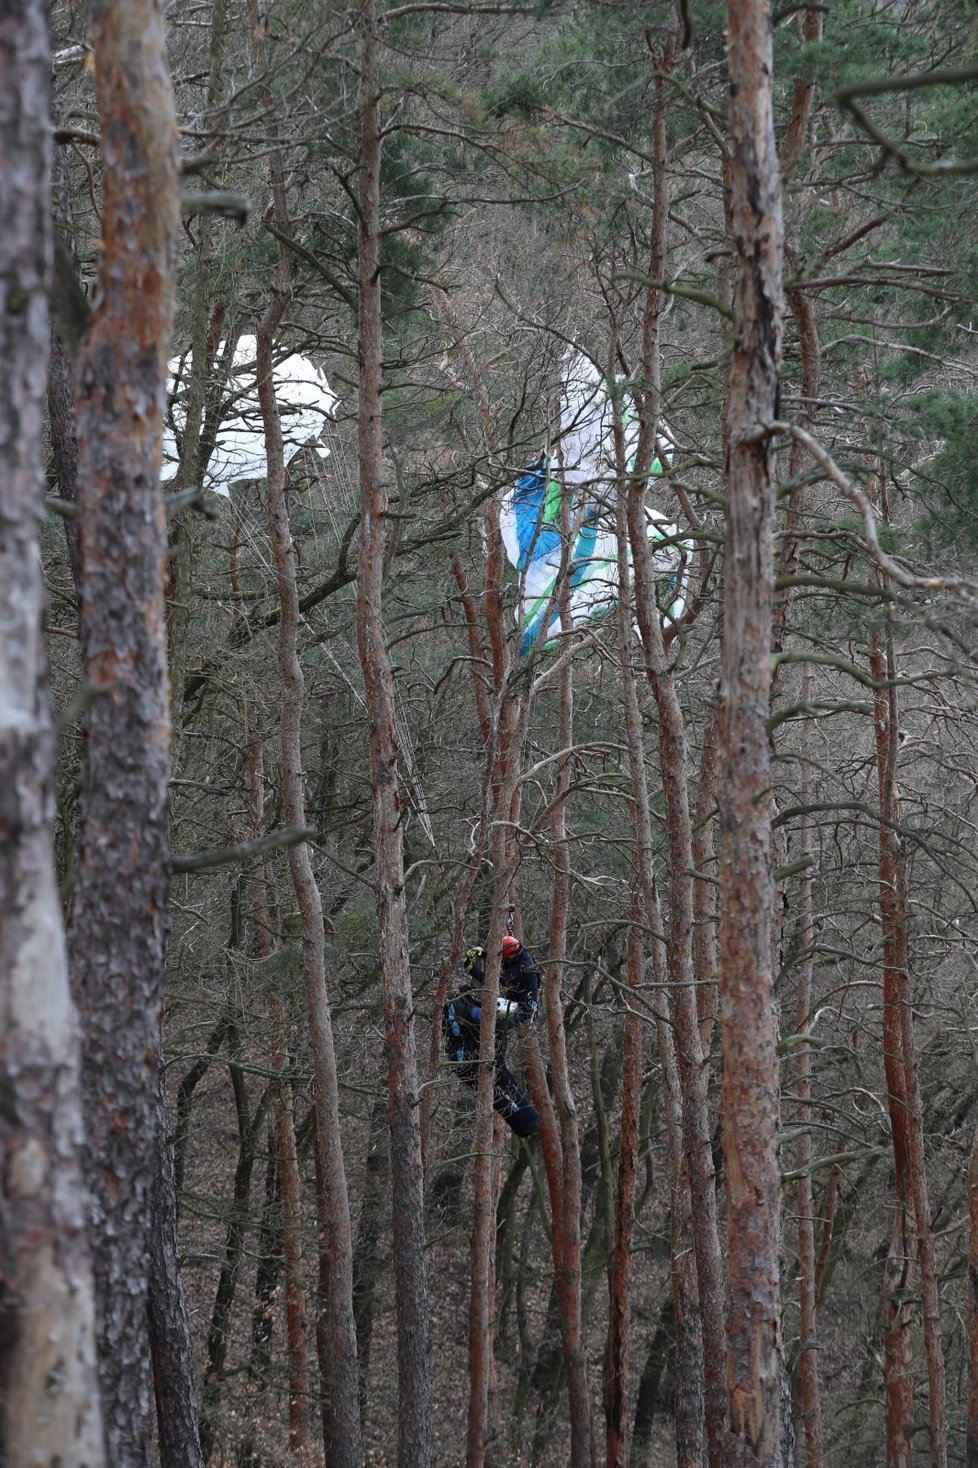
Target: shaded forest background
x: 553, y: 176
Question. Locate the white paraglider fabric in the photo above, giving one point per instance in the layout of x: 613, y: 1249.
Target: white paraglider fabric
x: 582, y: 476
x: 305, y: 404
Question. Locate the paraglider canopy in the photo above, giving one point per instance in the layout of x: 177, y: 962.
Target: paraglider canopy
x: 305, y: 403
x: 582, y: 477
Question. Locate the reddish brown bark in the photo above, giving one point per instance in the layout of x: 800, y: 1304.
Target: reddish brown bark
x: 502, y: 798
x: 477, y: 652
x: 690, y: 1423
x: 750, y: 1064
x: 809, y: 1398
x: 828, y: 1224
x: 674, y: 767
x: 410, y: 1276
x: 337, y: 1333
x: 616, y: 1406
x: 566, y: 1233
x: 810, y: 358
x: 898, y: 1338
x: 119, y: 926
x: 486, y: 1143
x: 341, y: 1416
x: 793, y: 146
x: 900, y: 1058
x: 47, y: 1305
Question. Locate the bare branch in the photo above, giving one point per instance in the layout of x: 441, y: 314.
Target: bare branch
x: 222, y: 856
x: 966, y: 590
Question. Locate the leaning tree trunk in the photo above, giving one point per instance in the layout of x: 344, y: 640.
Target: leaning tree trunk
x: 410, y: 1272
x: 49, y: 1405
x: 750, y: 1064
x: 119, y: 927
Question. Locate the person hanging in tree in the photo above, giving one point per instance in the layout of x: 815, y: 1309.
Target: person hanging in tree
x: 519, y: 986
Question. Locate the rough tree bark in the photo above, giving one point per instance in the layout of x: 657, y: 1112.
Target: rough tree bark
x: 61, y: 376
x: 177, y: 1414
x: 192, y: 459
x: 616, y: 1404
x: 674, y: 765
x: 502, y: 791
x: 689, y: 1373
x: 407, y: 1176
x: 286, y: 1159
x: 49, y: 1404
x: 809, y: 1398
x: 903, y: 1088
x: 341, y: 1413
x: 750, y: 1065
x: 119, y: 926
x: 559, y: 1132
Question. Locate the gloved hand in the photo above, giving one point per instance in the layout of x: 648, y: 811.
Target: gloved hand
x: 473, y: 958
x: 476, y: 1013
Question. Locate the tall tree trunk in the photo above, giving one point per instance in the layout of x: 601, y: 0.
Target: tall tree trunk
x: 750, y: 1064
x: 971, y: 1424
x: 341, y: 1415
x: 616, y: 1406
x: 898, y: 1383
x: 809, y: 1399
x: 267, y: 1271
x: 49, y: 1404
x: 690, y: 1385
x: 336, y: 1331
x: 674, y: 767
x: 486, y: 1134
x: 705, y: 892
x: 367, y: 1273
x: 289, y: 1187
x: 410, y: 1273
x: 502, y: 796
x: 192, y: 458
x: 900, y: 1059
x: 61, y: 375
x: 250, y: 1130
x: 119, y: 927
x: 565, y: 1189
x: 177, y: 1423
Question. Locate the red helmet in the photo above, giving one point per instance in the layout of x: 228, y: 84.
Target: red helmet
x: 511, y: 946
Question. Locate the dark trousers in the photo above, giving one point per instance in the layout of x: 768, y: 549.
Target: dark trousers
x: 512, y: 1103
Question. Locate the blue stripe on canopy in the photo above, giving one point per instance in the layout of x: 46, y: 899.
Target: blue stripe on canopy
x: 536, y: 538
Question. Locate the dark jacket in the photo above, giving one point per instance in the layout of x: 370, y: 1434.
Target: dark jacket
x: 519, y: 979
